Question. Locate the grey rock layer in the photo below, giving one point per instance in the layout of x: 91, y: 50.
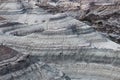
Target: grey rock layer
x: 61, y: 41
x: 17, y: 66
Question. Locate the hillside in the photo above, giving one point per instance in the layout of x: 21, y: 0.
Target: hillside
x: 59, y: 40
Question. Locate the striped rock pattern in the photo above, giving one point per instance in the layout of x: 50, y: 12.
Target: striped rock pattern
x: 18, y: 66
x: 59, y: 40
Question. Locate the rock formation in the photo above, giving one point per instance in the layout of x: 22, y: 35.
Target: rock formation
x: 59, y: 40
x: 105, y: 20
x: 17, y: 66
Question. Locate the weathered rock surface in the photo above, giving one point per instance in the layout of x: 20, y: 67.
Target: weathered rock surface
x: 17, y: 66
x: 61, y: 41
x: 105, y: 20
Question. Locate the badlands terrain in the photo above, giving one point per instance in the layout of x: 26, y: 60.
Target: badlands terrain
x: 59, y: 40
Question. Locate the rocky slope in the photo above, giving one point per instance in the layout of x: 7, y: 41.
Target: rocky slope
x: 106, y: 21
x: 59, y: 40
x: 17, y: 66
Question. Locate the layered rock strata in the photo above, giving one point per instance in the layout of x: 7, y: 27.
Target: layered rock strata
x: 61, y: 41
x: 17, y: 66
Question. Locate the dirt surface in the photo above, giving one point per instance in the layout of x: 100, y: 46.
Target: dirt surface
x: 7, y: 53
x: 1, y: 19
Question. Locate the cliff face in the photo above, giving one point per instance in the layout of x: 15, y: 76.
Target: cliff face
x: 39, y: 40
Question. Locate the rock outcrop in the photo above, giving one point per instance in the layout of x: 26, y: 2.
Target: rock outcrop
x: 17, y: 66
x: 105, y: 20
x: 59, y: 40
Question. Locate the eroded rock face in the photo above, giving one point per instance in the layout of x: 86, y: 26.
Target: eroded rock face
x: 106, y: 21
x: 9, y: 60
x: 96, y: 12
x: 62, y: 41
x: 6, y: 53
x: 17, y: 66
